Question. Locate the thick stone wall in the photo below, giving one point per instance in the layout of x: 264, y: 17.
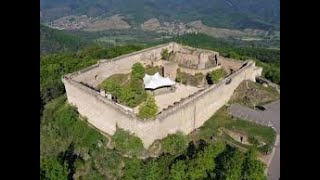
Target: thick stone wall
x: 170, y: 69
x: 189, y: 114
x: 195, y: 71
x: 188, y: 70
x: 95, y: 74
x: 228, y: 63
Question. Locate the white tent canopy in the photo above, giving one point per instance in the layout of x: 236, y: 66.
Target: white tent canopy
x: 155, y: 81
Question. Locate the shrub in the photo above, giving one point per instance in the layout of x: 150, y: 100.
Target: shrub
x: 152, y: 70
x: 50, y: 168
x: 112, y: 85
x: 174, y: 143
x: 149, y: 108
x: 186, y: 78
x: 165, y: 54
x: 127, y: 91
x: 126, y: 142
x: 199, y: 77
x: 266, y: 148
x: 216, y: 75
x: 137, y: 71
x: 252, y: 140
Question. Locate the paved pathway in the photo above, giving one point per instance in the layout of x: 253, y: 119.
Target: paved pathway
x: 269, y: 117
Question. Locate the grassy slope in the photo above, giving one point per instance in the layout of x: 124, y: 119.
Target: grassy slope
x: 221, y: 119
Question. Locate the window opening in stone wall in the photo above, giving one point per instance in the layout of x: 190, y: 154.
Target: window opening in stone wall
x: 216, y: 59
x: 228, y: 81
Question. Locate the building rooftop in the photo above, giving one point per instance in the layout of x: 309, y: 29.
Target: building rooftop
x: 155, y: 81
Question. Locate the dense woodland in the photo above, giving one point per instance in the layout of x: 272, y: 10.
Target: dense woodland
x: 70, y: 149
x: 53, y: 41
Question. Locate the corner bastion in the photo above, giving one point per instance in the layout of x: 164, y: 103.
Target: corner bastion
x: 185, y: 116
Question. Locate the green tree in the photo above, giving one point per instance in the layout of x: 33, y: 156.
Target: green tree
x: 253, y: 168
x: 273, y: 74
x: 126, y: 96
x: 232, y: 165
x: 112, y: 86
x: 132, y: 169
x: 174, y: 143
x: 151, y: 170
x: 164, y: 164
x: 149, y: 108
x: 138, y: 92
x: 138, y: 71
x: 50, y: 168
x: 165, y: 54
x: 203, y: 163
x: 178, y: 171
x: 107, y: 163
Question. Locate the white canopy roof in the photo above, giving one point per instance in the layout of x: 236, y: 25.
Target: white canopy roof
x: 155, y: 81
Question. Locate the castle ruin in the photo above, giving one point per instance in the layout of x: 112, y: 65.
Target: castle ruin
x: 185, y: 114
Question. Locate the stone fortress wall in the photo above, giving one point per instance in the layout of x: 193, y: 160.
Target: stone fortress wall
x: 185, y: 116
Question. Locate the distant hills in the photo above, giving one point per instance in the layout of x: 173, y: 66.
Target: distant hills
x: 52, y: 40
x: 231, y: 14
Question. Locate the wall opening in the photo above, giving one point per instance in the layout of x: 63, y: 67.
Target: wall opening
x: 228, y: 81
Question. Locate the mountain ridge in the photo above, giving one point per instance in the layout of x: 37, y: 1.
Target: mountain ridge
x: 231, y: 14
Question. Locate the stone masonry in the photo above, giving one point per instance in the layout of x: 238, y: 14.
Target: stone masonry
x: 185, y: 116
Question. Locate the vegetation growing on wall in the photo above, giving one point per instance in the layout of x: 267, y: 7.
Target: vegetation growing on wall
x: 165, y: 54
x: 152, y: 70
x: 137, y: 71
x: 199, y: 77
x: 148, y: 108
x: 215, y: 76
x: 127, y: 89
x: 186, y: 78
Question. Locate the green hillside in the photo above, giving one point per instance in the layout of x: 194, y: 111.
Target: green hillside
x: 240, y: 14
x: 52, y: 40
